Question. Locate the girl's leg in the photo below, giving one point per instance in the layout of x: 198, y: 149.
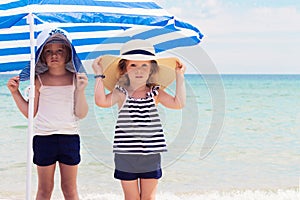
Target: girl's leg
x: 68, y: 175
x: 148, y: 188
x: 131, y: 190
x: 45, y: 182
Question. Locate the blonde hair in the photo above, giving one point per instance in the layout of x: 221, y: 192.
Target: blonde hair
x: 124, y: 79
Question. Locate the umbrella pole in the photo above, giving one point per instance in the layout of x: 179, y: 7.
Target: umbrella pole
x: 30, y: 108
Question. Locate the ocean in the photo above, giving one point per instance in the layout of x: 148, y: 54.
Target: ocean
x: 237, y: 138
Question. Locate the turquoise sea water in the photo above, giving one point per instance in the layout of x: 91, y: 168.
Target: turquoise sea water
x: 247, y: 125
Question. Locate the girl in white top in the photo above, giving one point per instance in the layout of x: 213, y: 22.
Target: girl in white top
x: 139, y: 138
x: 58, y: 105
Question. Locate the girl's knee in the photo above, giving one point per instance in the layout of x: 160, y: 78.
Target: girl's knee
x: 132, y: 197
x: 148, y: 197
x: 44, y: 192
x: 69, y: 191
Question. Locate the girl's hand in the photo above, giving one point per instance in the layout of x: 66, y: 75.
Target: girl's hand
x: 180, y: 68
x: 97, y: 67
x: 13, y: 84
x: 81, y: 81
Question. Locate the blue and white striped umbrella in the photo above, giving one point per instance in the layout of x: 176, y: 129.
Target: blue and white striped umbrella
x: 97, y: 27
x: 90, y: 23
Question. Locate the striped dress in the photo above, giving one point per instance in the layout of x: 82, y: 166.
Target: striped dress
x: 138, y: 129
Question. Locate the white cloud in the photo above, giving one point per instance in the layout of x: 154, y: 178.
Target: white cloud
x: 252, y: 21
x: 263, y: 39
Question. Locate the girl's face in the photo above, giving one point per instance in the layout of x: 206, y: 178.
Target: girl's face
x: 138, y: 71
x: 55, y: 54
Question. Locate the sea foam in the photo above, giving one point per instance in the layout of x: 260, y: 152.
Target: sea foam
x: 291, y: 194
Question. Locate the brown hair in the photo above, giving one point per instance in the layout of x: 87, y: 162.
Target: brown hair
x: 123, y: 77
x: 68, y: 53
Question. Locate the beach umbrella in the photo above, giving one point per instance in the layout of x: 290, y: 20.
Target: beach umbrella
x: 90, y: 23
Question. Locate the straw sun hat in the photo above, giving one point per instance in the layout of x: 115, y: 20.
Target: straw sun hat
x: 138, y: 50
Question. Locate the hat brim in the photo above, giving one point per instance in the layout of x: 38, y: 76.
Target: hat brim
x: 138, y: 57
x: 164, y: 77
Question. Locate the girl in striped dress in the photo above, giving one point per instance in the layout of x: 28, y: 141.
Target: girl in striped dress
x: 137, y: 89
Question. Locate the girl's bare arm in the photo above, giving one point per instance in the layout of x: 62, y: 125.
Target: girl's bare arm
x: 22, y: 104
x: 179, y: 99
x: 102, y: 99
x: 81, y: 105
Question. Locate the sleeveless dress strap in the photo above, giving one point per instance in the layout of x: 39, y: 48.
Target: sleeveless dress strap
x: 40, y: 79
x: 154, y: 91
x: 121, y: 89
x: 74, y: 79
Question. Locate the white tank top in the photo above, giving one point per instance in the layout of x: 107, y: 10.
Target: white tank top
x: 56, y: 111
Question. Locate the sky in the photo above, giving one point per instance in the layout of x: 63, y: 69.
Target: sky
x: 245, y: 36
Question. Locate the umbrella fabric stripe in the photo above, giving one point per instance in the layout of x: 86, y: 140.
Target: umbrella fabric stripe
x: 12, y: 37
x: 98, y: 9
x: 14, y: 58
x: 142, y: 32
x: 142, y: 8
x: 8, y: 21
x: 15, y: 29
x: 102, y: 41
x: 121, y: 4
x: 124, y: 4
x: 155, y: 32
x: 128, y: 4
x: 95, y: 36
x: 95, y: 26
x: 21, y: 50
x: 109, y: 19
x: 4, y: 60
x: 9, y: 1
x: 83, y: 55
x: 19, y: 11
x: 104, y: 17
x: 88, y: 28
x: 14, y: 44
x: 8, y: 4
x: 88, y: 33
x: 97, y: 39
x: 18, y: 24
x: 77, y: 30
x: 16, y: 65
x: 115, y: 43
x: 159, y: 48
x: 187, y: 26
x: 181, y: 42
x: 84, y: 38
x: 44, y: 8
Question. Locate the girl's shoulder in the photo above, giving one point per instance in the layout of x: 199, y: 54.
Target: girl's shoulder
x: 37, y: 83
x: 48, y: 79
x: 121, y: 89
x: 154, y: 91
x: 120, y: 94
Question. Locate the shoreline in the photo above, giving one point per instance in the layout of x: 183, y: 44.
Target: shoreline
x: 279, y: 194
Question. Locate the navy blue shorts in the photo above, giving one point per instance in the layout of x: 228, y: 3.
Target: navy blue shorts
x: 127, y: 176
x: 132, y: 167
x: 50, y: 149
